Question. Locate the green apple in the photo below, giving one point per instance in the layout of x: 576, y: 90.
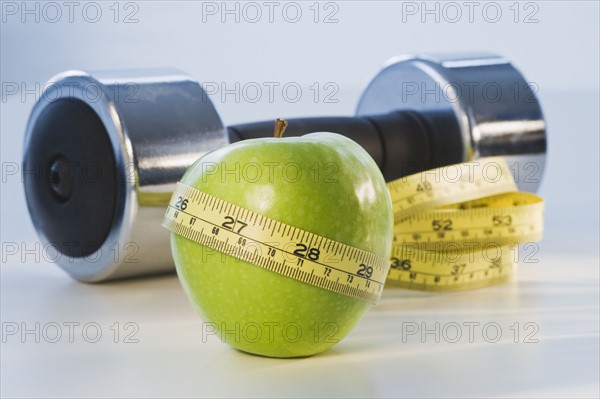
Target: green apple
x: 323, y: 183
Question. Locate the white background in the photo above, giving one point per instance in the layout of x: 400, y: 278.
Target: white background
x: 559, y: 53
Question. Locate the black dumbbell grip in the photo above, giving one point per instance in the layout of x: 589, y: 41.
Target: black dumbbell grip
x: 400, y: 142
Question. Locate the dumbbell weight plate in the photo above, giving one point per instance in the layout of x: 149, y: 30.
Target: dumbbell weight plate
x: 102, y: 156
x: 481, y: 102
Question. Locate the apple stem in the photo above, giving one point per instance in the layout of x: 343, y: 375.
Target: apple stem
x: 280, y: 126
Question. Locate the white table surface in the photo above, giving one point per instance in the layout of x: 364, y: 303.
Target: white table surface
x: 559, y: 294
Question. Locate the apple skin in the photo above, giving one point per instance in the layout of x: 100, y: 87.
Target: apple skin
x: 240, y: 300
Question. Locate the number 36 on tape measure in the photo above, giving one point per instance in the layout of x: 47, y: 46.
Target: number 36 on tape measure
x: 459, y: 226
x: 444, y: 231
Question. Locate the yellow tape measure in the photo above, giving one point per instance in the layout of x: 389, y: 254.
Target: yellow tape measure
x: 458, y: 226
x: 446, y: 235
x: 275, y: 246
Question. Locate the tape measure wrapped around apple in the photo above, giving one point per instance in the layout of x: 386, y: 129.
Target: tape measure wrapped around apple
x: 284, y: 243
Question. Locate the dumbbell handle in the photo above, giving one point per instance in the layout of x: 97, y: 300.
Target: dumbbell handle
x: 400, y: 142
